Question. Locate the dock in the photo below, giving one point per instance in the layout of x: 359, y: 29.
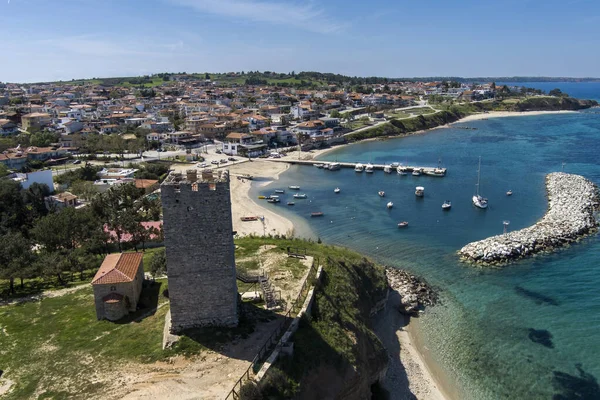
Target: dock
x: 431, y: 171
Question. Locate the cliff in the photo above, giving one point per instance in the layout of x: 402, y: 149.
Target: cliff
x: 336, y: 353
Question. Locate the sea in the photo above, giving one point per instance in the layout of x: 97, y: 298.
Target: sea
x: 530, y: 330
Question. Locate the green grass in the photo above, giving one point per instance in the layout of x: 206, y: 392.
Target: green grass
x: 57, y: 344
x: 397, y: 115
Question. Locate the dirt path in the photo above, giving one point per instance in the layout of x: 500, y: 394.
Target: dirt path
x: 47, y: 294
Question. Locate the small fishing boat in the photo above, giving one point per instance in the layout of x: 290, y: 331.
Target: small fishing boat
x: 273, y: 199
x: 262, y: 197
x: 401, y: 171
x: 402, y: 224
x: 279, y: 191
x: 381, y: 193
x: 387, y: 169
x: 334, y: 166
x: 390, y: 205
x: 419, y: 191
x: 447, y: 204
x: 416, y: 172
x: 318, y: 165
x: 337, y: 190
x: 294, y: 187
x: 369, y: 168
x: 253, y: 218
x: 509, y: 193
x: 316, y: 214
x: 359, y: 167
x: 290, y: 203
x: 300, y: 196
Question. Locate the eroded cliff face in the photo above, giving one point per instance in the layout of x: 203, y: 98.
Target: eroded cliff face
x: 336, y: 353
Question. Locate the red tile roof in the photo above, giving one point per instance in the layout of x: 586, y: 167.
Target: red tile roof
x: 118, y: 268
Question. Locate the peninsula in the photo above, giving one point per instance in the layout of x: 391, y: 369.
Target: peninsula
x: 573, y: 202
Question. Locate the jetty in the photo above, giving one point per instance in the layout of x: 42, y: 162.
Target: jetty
x: 431, y: 171
x: 572, y: 205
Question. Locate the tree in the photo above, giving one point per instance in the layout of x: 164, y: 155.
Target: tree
x: 84, y: 189
x: 557, y: 93
x: 35, y: 196
x: 335, y: 114
x: 16, y: 258
x: 158, y: 263
x: 13, y: 213
x: 42, y: 139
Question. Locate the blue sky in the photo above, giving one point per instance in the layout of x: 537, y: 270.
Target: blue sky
x: 64, y: 39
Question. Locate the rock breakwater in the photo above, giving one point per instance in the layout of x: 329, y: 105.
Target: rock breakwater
x: 572, y: 204
x: 415, y: 292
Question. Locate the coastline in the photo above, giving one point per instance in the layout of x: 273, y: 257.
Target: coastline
x: 242, y: 205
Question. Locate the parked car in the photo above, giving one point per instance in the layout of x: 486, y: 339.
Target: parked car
x: 219, y: 151
x: 223, y: 161
x: 77, y: 162
x: 232, y: 159
x: 214, y: 162
x: 203, y: 165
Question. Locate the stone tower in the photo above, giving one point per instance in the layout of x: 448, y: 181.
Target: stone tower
x: 200, y: 251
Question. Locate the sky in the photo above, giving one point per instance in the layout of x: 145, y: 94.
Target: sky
x: 44, y: 40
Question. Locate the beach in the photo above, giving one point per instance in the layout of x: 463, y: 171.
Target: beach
x: 501, y: 114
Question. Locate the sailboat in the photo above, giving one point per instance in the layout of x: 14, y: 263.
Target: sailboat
x: 479, y: 201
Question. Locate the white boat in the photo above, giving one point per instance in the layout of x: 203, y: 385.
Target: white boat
x: 401, y: 171
x: 279, y: 191
x: 390, y: 205
x: 337, y: 190
x: 419, y: 191
x: 300, y: 196
x: 509, y: 193
x: 359, y: 167
x: 387, y: 169
x: 416, y: 172
x: 395, y: 164
x: 334, y: 166
x: 294, y: 187
x: 369, y: 168
x: 402, y: 224
x: 479, y: 201
x: 290, y: 203
x: 319, y: 165
x: 381, y: 193
x: 447, y: 204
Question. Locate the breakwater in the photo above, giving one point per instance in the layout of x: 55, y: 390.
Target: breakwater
x: 572, y: 204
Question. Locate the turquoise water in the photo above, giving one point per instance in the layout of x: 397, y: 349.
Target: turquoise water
x: 484, y: 334
x: 580, y: 90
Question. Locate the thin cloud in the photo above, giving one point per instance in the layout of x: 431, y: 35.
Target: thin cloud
x: 303, y: 16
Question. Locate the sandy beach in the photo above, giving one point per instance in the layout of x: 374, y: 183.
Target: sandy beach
x: 264, y: 172
x: 500, y: 114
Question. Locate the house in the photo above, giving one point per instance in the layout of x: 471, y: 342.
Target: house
x: 61, y: 200
x: 243, y: 144
x: 149, y: 185
x: 7, y: 127
x: 118, y: 285
x: 35, y: 121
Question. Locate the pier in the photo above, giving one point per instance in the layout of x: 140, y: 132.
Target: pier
x: 431, y: 171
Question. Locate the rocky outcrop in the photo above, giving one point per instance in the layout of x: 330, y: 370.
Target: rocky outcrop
x: 415, y: 292
x: 572, y: 204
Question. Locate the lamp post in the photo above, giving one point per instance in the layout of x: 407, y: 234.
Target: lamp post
x: 505, y: 223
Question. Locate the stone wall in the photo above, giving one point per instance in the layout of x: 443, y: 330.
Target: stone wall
x: 200, y: 251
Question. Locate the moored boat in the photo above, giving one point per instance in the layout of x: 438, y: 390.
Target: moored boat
x: 300, y: 196
x: 316, y: 214
x: 359, y: 167
x: 290, y: 203
x: 401, y: 171
x: 334, y: 166
x: 419, y: 191
x: 294, y: 187
x: 369, y: 168
x: 279, y: 191
x: 390, y: 205
x: 416, y: 172
x: 447, y: 204
x: 337, y: 190
x: 387, y: 169
x: 318, y: 165
x: 381, y: 193
x: 509, y: 193
x: 479, y: 201
x: 402, y: 224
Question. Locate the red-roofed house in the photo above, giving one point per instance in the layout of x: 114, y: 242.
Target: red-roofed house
x: 118, y: 284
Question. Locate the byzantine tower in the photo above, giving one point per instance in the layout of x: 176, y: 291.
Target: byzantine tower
x: 200, y: 251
